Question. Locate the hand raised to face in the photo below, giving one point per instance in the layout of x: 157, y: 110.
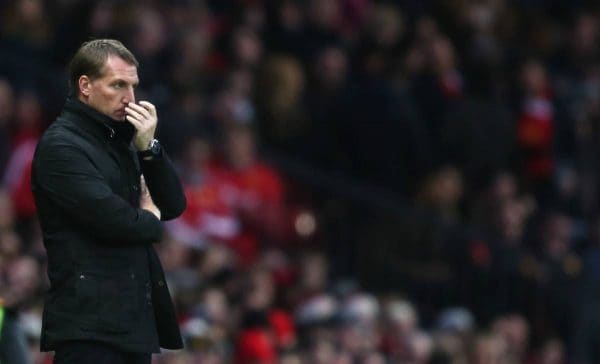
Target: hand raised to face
x: 143, y: 118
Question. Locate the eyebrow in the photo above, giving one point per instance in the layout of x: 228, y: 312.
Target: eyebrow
x: 120, y: 80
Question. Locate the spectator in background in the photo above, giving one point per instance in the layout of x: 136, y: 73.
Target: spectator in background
x: 439, y: 84
x: 6, y: 119
x: 552, y: 352
x: 493, y: 277
x: 282, y: 119
x: 7, y: 214
x: 246, y: 48
x: 560, y: 272
x: 240, y: 200
x: 25, y: 20
x: 535, y: 129
x: 257, y: 340
x: 252, y: 190
x: 514, y: 331
x: 585, y: 318
x: 20, y: 279
x: 287, y: 29
x: 489, y: 348
x: 27, y: 130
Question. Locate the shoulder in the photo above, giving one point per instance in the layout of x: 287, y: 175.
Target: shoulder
x: 64, y: 132
x: 58, y: 133
x: 61, y: 137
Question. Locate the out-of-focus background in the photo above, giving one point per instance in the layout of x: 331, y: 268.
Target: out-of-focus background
x: 369, y: 182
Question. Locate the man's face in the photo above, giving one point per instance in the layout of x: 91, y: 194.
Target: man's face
x: 112, y: 91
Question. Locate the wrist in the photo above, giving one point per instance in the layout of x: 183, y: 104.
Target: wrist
x: 142, y: 145
x: 152, y: 151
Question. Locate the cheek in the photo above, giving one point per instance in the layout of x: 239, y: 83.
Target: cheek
x: 112, y: 96
x: 103, y: 93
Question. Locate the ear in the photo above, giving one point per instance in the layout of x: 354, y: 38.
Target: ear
x: 85, y: 85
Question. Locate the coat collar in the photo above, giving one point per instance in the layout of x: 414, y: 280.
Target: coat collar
x: 97, y: 123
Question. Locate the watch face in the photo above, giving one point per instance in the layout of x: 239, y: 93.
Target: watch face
x: 155, y: 147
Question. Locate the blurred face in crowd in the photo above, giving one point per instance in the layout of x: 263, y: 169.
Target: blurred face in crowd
x: 533, y: 77
x: 557, y: 236
x: 511, y: 217
x: 240, y: 148
x: 290, y: 15
x: 24, y: 274
x: 488, y: 349
x: 6, y: 101
x: 215, y: 304
x: 514, y: 330
x: 247, y: 47
x: 261, y: 290
x: 322, y: 352
x: 386, y: 25
x: 442, y: 54
x: 586, y: 34
x: 553, y: 352
x: 10, y: 244
x: 504, y: 187
x: 313, y: 275
x: 332, y: 67
x: 28, y: 110
x: 324, y: 13
x: 151, y: 34
x: 111, y: 92
x: 6, y: 211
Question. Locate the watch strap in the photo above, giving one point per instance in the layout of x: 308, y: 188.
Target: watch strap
x: 154, y: 150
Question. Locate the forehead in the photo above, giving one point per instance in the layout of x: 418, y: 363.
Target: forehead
x: 117, y: 67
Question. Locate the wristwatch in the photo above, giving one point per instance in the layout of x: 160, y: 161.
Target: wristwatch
x: 154, y: 150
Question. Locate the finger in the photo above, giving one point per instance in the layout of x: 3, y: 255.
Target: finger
x: 143, y: 182
x: 135, y: 122
x: 143, y: 185
x: 148, y: 106
x: 139, y: 109
x: 134, y: 113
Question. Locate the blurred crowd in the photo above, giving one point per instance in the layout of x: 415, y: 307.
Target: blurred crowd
x: 368, y: 182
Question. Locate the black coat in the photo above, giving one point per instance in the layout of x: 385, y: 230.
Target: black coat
x: 106, y: 281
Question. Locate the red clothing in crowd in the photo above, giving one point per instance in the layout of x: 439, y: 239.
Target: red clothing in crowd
x: 255, y: 345
x: 237, y: 207
x: 17, y: 178
x: 535, y: 137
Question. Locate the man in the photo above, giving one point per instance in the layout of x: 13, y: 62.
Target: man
x: 108, y: 302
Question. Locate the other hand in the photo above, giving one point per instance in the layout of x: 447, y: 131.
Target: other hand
x: 146, y: 202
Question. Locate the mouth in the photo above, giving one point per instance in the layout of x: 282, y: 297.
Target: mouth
x: 120, y: 114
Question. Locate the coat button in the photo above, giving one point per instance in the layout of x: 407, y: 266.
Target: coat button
x: 161, y: 283
x: 81, y: 276
x: 132, y: 275
x: 135, y: 187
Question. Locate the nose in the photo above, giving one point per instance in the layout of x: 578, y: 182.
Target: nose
x: 129, y: 96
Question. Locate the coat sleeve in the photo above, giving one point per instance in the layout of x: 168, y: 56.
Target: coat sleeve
x: 164, y: 186
x: 70, y: 181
